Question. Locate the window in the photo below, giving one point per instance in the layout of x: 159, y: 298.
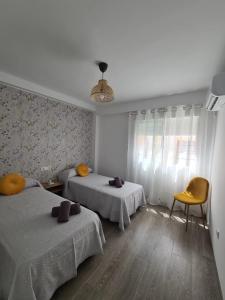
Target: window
x: 159, y: 141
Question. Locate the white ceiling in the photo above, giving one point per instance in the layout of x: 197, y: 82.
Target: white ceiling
x: 153, y: 47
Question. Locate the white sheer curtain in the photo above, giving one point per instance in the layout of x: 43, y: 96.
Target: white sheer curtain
x: 167, y: 147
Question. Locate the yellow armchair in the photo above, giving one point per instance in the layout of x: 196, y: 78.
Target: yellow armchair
x: 196, y: 193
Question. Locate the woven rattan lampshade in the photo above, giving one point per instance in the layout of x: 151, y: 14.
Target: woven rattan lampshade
x: 102, y: 92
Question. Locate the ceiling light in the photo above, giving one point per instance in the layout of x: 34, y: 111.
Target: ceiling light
x: 102, y: 92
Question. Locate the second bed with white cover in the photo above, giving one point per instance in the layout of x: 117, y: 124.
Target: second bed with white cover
x: 115, y: 204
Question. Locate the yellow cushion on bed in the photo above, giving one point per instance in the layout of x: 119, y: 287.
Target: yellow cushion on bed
x: 11, y: 184
x: 82, y: 170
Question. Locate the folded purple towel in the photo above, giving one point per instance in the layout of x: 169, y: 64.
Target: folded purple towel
x: 55, y: 211
x: 111, y: 182
x: 64, y: 211
x: 75, y: 209
x: 122, y: 181
x: 117, y: 182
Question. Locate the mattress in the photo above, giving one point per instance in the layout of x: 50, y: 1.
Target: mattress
x: 115, y: 204
x: 37, y: 254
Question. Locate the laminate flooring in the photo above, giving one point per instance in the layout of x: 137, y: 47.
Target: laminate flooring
x: 153, y: 259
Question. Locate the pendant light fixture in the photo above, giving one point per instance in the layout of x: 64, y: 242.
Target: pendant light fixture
x: 102, y: 92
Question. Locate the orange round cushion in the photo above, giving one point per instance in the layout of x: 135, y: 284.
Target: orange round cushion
x: 11, y: 184
x: 82, y: 170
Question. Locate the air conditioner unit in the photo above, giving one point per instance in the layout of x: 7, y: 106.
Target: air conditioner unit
x: 216, y: 97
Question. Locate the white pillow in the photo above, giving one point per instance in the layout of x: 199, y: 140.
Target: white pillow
x: 31, y: 182
x: 65, y: 174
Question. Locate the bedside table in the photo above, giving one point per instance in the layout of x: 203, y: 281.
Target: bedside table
x: 55, y: 187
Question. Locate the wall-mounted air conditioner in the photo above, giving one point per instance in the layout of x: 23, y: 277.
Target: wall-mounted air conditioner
x: 216, y: 97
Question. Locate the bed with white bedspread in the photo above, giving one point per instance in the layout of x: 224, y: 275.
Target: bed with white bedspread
x: 115, y: 204
x: 37, y: 254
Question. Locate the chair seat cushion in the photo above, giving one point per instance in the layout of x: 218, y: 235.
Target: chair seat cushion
x: 187, y: 198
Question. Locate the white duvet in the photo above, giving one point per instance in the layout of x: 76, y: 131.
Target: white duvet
x: 37, y: 254
x: 115, y: 204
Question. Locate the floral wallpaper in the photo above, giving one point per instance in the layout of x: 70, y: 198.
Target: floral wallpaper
x: 37, y: 131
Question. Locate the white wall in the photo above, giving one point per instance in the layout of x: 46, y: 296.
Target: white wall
x: 218, y: 199
x: 112, y: 145
x: 112, y: 129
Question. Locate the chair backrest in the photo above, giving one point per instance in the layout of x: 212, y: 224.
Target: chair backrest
x: 199, y: 188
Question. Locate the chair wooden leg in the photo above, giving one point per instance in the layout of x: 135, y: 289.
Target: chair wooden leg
x: 185, y: 209
x: 171, y: 211
x: 203, y: 219
x: 187, y: 217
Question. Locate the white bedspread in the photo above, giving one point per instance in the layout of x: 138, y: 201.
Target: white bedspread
x: 115, y: 204
x: 37, y: 254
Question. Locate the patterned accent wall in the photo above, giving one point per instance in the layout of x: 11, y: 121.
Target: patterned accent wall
x: 36, y: 131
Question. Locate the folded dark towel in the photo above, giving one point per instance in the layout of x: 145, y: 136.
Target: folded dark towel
x: 118, y: 183
x: 55, y: 211
x: 64, y: 211
x: 75, y: 209
x: 111, y: 182
x: 122, y: 181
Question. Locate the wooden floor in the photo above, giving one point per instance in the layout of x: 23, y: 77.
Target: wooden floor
x: 153, y: 259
